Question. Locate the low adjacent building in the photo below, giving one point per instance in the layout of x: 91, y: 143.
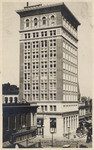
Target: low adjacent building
x: 19, y: 120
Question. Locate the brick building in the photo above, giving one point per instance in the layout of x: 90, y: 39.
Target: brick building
x: 49, y: 66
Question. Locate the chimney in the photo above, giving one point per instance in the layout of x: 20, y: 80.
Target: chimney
x: 27, y: 4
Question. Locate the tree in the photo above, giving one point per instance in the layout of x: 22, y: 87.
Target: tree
x: 83, y: 98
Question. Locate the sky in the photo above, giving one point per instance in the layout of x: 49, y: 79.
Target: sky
x: 10, y: 40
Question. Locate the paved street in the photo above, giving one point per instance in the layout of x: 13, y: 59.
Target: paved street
x: 60, y: 143
x: 73, y: 143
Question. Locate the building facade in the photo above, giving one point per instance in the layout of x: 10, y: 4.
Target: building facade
x: 19, y: 123
x: 19, y: 118
x: 49, y: 66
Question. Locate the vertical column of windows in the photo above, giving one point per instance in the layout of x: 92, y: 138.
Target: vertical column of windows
x: 70, y: 72
x: 27, y: 70
x: 44, y: 69
x: 52, y: 69
x: 35, y: 68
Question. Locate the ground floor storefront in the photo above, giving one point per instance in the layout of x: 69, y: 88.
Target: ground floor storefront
x: 61, y: 125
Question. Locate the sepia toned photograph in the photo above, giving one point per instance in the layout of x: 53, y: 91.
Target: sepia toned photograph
x: 47, y: 74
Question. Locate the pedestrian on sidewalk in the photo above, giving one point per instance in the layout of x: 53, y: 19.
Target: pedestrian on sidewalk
x: 77, y: 145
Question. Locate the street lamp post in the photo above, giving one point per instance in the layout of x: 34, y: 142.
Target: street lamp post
x: 43, y: 126
x: 52, y: 139
x: 52, y: 131
x: 43, y: 131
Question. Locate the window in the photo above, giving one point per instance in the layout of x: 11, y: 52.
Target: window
x: 52, y: 32
x: 25, y: 36
x: 37, y: 96
x: 42, y: 108
x: 28, y: 35
x: 15, y: 99
x: 53, y: 123
x: 25, y: 75
x: 27, y: 45
x: 37, y: 34
x: 53, y: 42
x: 37, y: 87
x: 44, y: 43
x: 33, y: 96
x: 27, y: 22
x: 45, y: 108
x: 51, y: 65
x: 33, y: 35
x: 54, y: 108
x: 35, y: 44
x: 54, y: 65
x: 45, y: 33
x: 54, y: 55
x: 45, y: 96
x: 11, y: 99
x: 35, y: 22
x: 44, y: 20
x: 52, y: 19
x: 37, y: 56
x: 6, y: 100
x: 51, y: 108
x: 42, y: 33
x: 28, y: 65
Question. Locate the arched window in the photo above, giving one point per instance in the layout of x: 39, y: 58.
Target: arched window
x: 15, y: 99
x: 35, y: 22
x: 52, y: 19
x: 6, y: 100
x: 44, y: 20
x: 11, y: 99
x: 27, y: 22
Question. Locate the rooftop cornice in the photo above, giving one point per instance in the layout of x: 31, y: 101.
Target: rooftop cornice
x: 38, y: 7
x: 29, y: 8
